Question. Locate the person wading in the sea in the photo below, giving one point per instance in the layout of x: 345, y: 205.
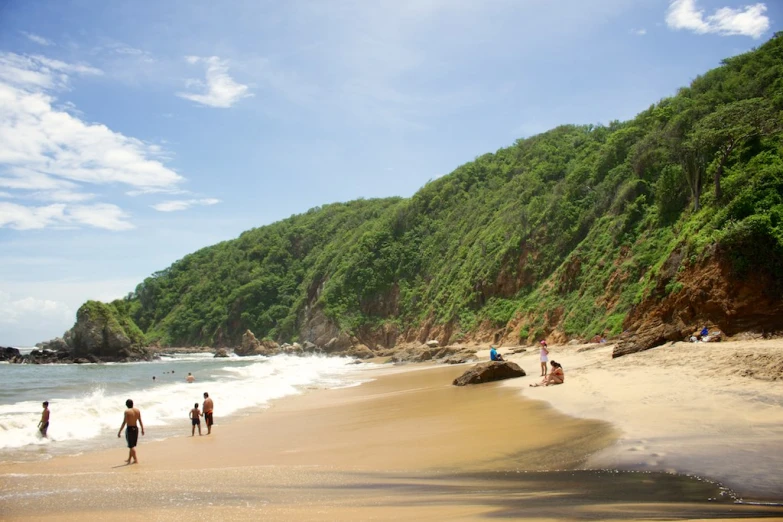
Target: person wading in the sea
x: 132, y: 416
x: 43, y: 425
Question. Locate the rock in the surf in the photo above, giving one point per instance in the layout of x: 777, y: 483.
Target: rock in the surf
x: 488, y: 372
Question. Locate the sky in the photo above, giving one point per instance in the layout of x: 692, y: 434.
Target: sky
x: 134, y: 133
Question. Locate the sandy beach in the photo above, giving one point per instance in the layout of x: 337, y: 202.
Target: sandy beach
x: 710, y: 409
x: 408, y: 444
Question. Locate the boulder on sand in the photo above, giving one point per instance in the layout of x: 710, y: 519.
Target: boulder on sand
x: 221, y: 352
x: 488, y: 372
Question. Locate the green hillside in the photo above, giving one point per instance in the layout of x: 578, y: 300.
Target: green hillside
x: 565, y: 230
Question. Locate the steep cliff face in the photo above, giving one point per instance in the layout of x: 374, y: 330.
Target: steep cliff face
x: 711, y: 292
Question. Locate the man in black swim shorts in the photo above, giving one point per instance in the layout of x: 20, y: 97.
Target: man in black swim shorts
x: 132, y: 416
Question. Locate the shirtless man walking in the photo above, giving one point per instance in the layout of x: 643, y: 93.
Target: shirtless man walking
x: 207, y: 409
x: 132, y: 416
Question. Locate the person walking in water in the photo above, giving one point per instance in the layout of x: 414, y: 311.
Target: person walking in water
x: 131, y: 418
x: 43, y: 425
x: 208, y: 406
x: 195, y: 420
x: 544, y: 358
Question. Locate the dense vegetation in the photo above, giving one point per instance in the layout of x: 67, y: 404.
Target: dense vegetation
x: 569, y: 227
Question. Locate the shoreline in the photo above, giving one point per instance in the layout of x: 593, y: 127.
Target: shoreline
x: 404, y: 441
x: 691, y: 408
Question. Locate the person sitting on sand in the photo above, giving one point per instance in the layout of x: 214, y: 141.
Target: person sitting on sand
x: 494, y: 355
x: 195, y: 420
x: 556, y: 376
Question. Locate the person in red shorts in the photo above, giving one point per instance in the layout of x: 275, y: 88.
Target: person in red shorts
x: 207, y: 408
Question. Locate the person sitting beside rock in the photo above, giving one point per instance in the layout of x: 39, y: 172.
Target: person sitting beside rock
x: 555, y: 376
x: 494, y: 355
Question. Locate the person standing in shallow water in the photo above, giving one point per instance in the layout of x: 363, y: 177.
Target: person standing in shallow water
x: 131, y: 418
x: 43, y: 425
x: 207, y: 408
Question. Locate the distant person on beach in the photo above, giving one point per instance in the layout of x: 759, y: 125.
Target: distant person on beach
x: 190, y: 378
x: 544, y: 357
x: 43, y: 425
x: 195, y: 420
x: 494, y: 355
x: 131, y: 418
x: 208, y: 406
x: 556, y: 376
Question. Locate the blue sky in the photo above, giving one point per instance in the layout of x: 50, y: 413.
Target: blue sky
x: 133, y: 133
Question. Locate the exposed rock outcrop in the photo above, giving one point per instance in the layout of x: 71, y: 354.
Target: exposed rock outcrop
x: 460, y: 357
x: 360, y: 351
x: 221, y: 352
x: 101, y: 332
x: 58, y: 344
x: 488, y: 372
x: 9, y: 354
x: 709, y: 292
x: 252, y: 346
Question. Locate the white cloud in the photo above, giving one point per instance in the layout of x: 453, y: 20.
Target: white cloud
x: 183, y: 204
x: 15, y: 311
x: 746, y: 21
x: 65, y: 196
x: 639, y: 32
x: 34, y: 311
x: 99, y: 215
x: 220, y: 90
x: 49, y: 153
x: 40, y: 40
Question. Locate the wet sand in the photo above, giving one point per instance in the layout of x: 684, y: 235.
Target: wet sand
x: 406, y: 445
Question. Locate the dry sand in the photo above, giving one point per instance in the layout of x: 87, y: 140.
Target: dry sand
x: 711, y: 409
x: 411, y: 445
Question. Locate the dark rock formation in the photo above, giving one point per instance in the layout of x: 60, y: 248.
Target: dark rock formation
x: 221, y: 352
x: 488, y: 372
x: 10, y: 354
x: 58, y: 344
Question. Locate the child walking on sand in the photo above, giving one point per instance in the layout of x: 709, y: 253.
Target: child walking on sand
x: 195, y: 419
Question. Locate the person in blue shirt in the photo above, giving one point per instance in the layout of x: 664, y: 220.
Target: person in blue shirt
x: 494, y: 355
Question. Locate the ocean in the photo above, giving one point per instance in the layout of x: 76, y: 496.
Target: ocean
x: 87, y: 401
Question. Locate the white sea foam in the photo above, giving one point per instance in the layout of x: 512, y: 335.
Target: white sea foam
x: 96, y: 411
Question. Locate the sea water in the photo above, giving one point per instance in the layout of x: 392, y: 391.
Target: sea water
x: 87, y: 401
